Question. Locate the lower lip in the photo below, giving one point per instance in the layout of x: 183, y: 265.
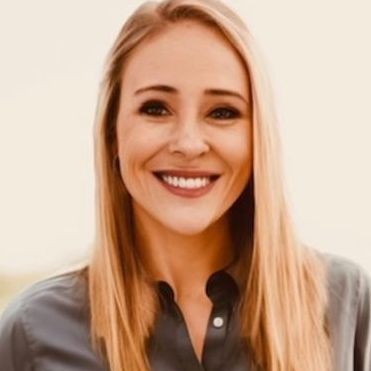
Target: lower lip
x: 189, y: 193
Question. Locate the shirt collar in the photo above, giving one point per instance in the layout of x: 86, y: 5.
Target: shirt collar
x: 221, y: 287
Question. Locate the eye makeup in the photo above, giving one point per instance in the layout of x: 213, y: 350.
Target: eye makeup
x: 153, y: 108
x: 159, y: 108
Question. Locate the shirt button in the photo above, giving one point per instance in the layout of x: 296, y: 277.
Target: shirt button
x: 218, y: 322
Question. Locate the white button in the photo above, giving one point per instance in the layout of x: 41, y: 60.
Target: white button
x: 218, y: 322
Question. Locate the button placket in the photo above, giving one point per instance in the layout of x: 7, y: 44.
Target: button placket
x: 223, y: 292
x: 218, y: 322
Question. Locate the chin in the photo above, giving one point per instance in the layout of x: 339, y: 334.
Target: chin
x: 187, y: 227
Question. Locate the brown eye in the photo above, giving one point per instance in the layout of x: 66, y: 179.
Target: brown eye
x: 225, y: 113
x: 154, y: 108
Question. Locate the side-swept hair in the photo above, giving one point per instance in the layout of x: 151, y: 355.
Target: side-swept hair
x: 284, y: 294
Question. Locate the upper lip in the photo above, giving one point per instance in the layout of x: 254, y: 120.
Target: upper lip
x: 188, y: 173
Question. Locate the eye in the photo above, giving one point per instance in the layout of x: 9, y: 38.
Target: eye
x: 225, y: 113
x: 154, y: 108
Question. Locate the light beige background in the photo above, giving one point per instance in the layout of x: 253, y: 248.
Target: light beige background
x: 318, y: 55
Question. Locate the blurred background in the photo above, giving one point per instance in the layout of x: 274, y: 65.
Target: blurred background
x: 318, y: 55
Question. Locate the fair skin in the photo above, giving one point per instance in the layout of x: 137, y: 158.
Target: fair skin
x: 184, y: 240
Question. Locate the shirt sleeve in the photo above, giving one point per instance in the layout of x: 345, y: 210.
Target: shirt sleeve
x: 362, y: 350
x: 15, y: 354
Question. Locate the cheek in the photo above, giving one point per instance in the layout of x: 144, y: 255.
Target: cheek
x: 134, y: 132
x: 135, y: 147
x: 237, y: 150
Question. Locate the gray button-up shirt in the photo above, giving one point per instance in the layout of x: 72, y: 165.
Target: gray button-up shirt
x: 46, y: 328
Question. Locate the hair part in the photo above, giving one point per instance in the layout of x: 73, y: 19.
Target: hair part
x: 283, y: 297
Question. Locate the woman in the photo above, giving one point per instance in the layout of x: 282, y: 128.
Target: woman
x: 196, y: 264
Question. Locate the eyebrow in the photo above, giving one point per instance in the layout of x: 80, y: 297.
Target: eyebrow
x: 170, y: 89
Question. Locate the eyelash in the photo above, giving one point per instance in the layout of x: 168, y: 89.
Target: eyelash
x: 155, y: 106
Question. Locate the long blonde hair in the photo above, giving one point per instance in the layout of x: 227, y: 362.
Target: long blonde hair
x: 283, y: 298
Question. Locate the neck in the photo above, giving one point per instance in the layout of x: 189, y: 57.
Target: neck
x: 185, y: 262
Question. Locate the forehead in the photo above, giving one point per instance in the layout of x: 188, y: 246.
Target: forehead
x: 186, y: 53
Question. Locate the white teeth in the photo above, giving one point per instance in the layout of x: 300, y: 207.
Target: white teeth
x: 188, y: 183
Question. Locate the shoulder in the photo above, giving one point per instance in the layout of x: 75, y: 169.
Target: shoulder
x: 349, y: 312
x: 62, y: 293
x: 348, y: 284
x: 51, y: 313
x: 342, y: 268
x: 346, y: 278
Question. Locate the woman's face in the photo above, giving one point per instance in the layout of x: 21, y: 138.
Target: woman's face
x: 184, y: 113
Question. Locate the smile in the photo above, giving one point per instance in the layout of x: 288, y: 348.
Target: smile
x: 187, y: 186
x: 188, y: 183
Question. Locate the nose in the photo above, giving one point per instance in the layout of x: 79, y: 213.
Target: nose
x: 189, y: 140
